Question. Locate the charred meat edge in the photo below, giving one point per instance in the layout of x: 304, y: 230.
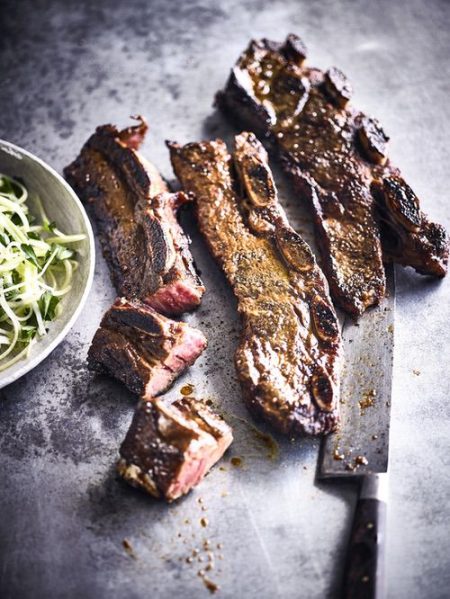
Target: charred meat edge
x: 271, y: 91
x: 169, y: 449
x: 143, y: 349
x: 142, y: 241
x: 289, y: 356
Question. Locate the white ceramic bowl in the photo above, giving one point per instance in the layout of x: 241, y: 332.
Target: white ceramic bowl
x: 62, y: 206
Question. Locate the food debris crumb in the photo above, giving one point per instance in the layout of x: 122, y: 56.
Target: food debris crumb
x: 200, y: 500
x: 187, y: 389
x: 374, y: 437
x: 361, y: 460
x: 338, y: 456
x: 204, y: 522
x: 237, y: 462
x: 128, y: 548
x: 210, y: 585
x: 269, y: 442
x: 368, y: 399
x: 222, y: 468
x: 416, y: 372
x: 187, y: 521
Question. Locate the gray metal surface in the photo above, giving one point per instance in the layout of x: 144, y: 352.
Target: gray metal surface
x: 361, y: 446
x: 68, y: 66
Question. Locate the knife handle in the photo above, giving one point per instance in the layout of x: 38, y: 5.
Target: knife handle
x: 364, y: 572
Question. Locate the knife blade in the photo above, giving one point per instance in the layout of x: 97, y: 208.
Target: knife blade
x: 360, y: 449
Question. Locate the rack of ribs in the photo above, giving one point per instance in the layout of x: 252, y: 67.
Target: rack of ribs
x: 337, y: 159
x: 289, y: 356
x: 146, y: 250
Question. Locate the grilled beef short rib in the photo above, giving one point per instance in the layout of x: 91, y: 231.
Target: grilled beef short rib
x: 146, y: 249
x: 143, y: 349
x: 336, y: 157
x: 169, y: 449
x: 289, y: 356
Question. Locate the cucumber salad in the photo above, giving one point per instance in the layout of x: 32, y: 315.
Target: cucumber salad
x: 37, y: 262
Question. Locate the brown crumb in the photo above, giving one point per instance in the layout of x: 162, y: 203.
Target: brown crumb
x: 204, y: 522
x: 128, y: 548
x: 338, y: 456
x: 416, y: 372
x: 187, y: 389
x: 210, y: 585
x: 368, y: 399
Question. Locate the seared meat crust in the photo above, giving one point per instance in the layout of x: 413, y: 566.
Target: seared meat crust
x: 169, y: 449
x: 289, y: 356
x: 146, y: 250
x: 334, y: 155
x: 143, y: 349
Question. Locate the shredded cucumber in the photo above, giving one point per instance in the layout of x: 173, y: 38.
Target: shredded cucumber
x: 36, y: 269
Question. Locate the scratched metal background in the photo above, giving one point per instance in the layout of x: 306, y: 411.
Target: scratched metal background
x: 66, y: 67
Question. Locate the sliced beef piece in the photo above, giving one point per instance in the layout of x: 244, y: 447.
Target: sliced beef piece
x: 145, y: 247
x: 289, y: 356
x: 333, y: 153
x: 143, y: 349
x: 169, y: 449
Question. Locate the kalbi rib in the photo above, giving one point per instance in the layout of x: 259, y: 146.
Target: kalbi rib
x: 143, y: 349
x: 146, y: 250
x: 288, y: 360
x: 408, y: 236
x: 169, y: 449
x: 336, y: 156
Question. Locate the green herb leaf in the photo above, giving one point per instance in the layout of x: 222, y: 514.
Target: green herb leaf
x: 29, y: 252
x: 62, y: 252
x: 27, y: 334
x: 49, y: 226
x: 47, y: 305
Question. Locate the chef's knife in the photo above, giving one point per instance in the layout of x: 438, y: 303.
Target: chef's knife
x: 360, y: 449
